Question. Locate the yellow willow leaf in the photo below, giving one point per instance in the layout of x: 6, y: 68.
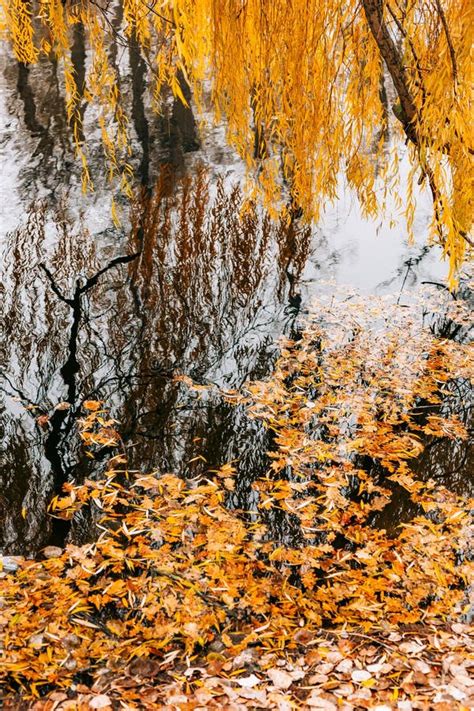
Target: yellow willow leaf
x: 312, y: 99
x: 115, y: 217
x: 177, y: 91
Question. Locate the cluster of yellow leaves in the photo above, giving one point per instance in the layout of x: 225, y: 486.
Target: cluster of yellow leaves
x: 96, y: 429
x: 48, y: 34
x: 364, y: 378
x: 176, y: 570
x: 301, y: 87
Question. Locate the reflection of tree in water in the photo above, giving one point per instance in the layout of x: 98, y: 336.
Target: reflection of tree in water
x: 206, y: 298
x: 446, y: 460
x: 209, y: 286
x: 34, y: 344
x: 213, y: 287
x: 36, y: 95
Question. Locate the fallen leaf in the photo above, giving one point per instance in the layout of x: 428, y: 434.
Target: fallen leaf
x: 248, y: 682
x: 52, y: 552
x: 345, y: 666
x: 100, y: 702
x: 360, y: 675
x: 316, y: 701
x: 63, y: 406
x: 280, y: 679
x: 92, y: 405
x: 43, y: 421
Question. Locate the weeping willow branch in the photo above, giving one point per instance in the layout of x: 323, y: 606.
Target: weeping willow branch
x: 409, y: 115
x: 374, y: 13
x: 452, y: 53
x: 307, y: 74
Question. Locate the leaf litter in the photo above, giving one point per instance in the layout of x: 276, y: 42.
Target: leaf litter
x: 185, y: 602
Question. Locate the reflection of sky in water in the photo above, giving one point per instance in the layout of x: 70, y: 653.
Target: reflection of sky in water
x: 364, y: 253
x: 215, y: 318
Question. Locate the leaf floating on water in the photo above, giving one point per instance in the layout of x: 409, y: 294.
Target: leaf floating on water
x: 43, y: 421
x: 92, y: 405
x: 61, y: 406
x: 52, y: 552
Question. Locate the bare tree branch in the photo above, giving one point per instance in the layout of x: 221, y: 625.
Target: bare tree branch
x: 374, y: 13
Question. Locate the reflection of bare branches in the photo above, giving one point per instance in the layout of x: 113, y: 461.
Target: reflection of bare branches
x: 34, y: 348
x: 207, y: 294
x: 90, y: 282
x: 204, y: 264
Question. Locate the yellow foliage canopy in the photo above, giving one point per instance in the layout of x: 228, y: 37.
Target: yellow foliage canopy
x: 304, y: 87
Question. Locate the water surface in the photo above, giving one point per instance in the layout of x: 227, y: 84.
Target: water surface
x: 208, y: 296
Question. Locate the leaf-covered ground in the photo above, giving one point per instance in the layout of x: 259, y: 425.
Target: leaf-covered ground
x: 184, y: 601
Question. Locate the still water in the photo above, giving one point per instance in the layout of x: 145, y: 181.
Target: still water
x: 208, y: 296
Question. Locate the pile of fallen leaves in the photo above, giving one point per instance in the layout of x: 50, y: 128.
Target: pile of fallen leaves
x: 185, y: 601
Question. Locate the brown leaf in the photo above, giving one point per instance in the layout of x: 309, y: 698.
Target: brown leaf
x: 92, y: 405
x: 43, y: 421
x: 100, y: 702
x: 280, y: 679
x: 52, y: 552
x: 63, y: 406
x: 316, y: 701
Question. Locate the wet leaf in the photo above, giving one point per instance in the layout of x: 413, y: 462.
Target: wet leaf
x: 92, y: 405
x: 62, y: 406
x: 43, y: 421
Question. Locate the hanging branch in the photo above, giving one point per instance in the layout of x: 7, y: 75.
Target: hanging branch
x: 374, y: 10
x: 452, y: 53
x: 374, y: 13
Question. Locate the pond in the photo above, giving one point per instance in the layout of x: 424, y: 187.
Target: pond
x: 207, y: 295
